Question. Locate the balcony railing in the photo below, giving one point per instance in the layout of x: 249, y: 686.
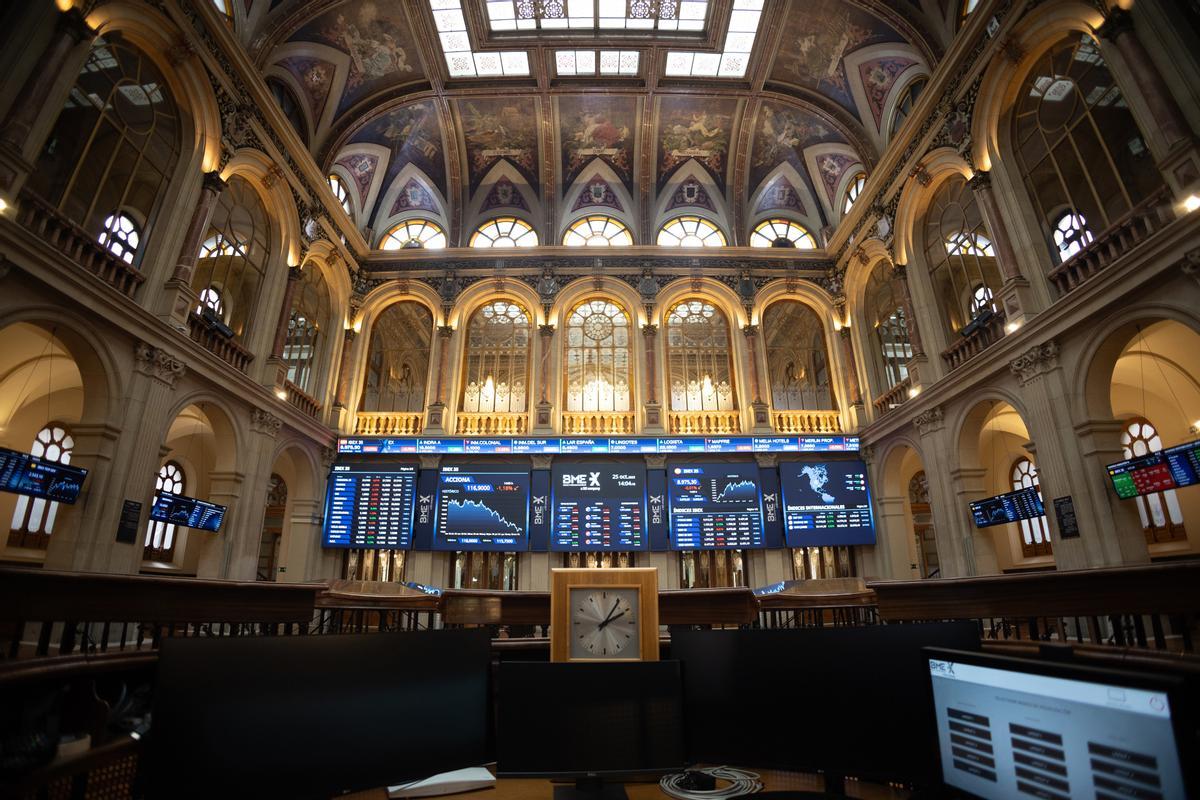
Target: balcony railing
x: 44, y: 221
x: 704, y: 422
x: 1148, y: 217
x: 893, y: 397
x: 807, y: 421
x: 301, y: 400
x: 974, y: 343
x: 389, y: 423
x: 491, y: 424
x: 589, y: 422
x: 216, y: 342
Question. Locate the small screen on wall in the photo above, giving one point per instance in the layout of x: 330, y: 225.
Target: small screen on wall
x: 1171, y: 468
x: 1010, y: 507
x: 187, y: 511
x: 22, y: 473
x: 826, y: 503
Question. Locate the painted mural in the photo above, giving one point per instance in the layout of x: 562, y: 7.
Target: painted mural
x: 315, y: 77
x: 832, y: 166
x: 815, y: 44
x: 597, y: 192
x: 780, y: 195
x: 690, y: 193
x: 375, y: 36
x: 504, y: 194
x: 878, y: 77
x: 502, y: 128
x: 413, y: 135
x: 782, y: 134
x: 361, y: 167
x: 695, y: 128
x: 413, y: 197
x: 597, y: 126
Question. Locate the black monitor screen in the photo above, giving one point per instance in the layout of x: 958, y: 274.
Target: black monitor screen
x: 714, y: 506
x: 598, y: 506
x: 22, y: 473
x: 826, y: 503
x: 187, y: 511
x: 1010, y: 507
x: 1171, y: 468
x: 406, y: 705
x: 569, y: 720
x: 480, y: 509
x: 1010, y: 727
x: 370, y: 505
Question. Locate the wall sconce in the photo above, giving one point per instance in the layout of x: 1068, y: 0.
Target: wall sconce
x: 914, y: 391
x: 281, y: 394
x: 1012, y: 327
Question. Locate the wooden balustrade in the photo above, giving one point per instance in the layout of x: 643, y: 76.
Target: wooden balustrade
x: 491, y: 424
x: 974, y: 343
x: 389, y: 423
x: 818, y: 603
x: 807, y: 421
x: 222, y: 346
x: 1124, y: 235
x: 598, y: 422
x: 374, y: 607
x: 46, y: 223
x: 301, y: 400
x: 893, y: 397
x: 704, y: 422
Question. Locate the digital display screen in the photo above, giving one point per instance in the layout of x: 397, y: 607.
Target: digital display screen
x: 714, y: 506
x: 370, y: 506
x: 479, y: 509
x: 826, y: 503
x: 22, y: 473
x: 187, y: 511
x: 1170, y: 468
x: 598, y: 506
x: 1005, y: 508
x: 366, y: 445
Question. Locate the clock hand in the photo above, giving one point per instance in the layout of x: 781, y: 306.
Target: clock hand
x: 616, y: 603
x: 613, y: 619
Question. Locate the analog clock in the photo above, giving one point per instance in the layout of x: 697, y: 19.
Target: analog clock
x: 605, y: 623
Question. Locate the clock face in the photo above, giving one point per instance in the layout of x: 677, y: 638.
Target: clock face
x: 605, y: 623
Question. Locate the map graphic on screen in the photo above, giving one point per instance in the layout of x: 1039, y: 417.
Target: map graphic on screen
x: 482, y: 510
x: 598, y: 506
x: 826, y: 503
x: 370, y: 505
x: 714, y: 506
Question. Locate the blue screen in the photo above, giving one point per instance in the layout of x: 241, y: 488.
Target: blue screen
x: 370, y: 506
x: 714, y: 506
x: 826, y: 503
x: 479, y: 509
x: 187, y: 511
x: 22, y: 473
x: 598, y: 506
x: 1010, y: 507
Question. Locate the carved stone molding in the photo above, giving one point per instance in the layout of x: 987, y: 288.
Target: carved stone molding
x: 980, y: 181
x: 929, y: 420
x: 328, y: 456
x: 867, y: 453
x: 158, y: 364
x: 1035, y: 362
x: 649, y: 331
x: 750, y: 331
x: 445, y: 331
x: 1190, y: 264
x: 265, y: 422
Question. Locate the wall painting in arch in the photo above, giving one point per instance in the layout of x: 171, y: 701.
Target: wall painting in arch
x: 413, y: 134
x: 500, y: 129
x: 597, y: 126
x: 699, y: 128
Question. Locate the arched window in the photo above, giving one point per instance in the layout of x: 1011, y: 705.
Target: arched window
x: 904, y: 105
x: 1162, y: 516
x: 853, y: 191
x: 1077, y: 144
x: 290, y: 106
x: 889, y: 326
x: 699, y: 370
x: 233, y: 257
x: 33, y: 518
x: 797, y: 360
x: 690, y: 231
x: 781, y: 233
x: 496, y: 369
x: 415, y: 233
x: 398, y: 360
x: 339, y: 191
x: 504, y: 232
x: 160, y: 536
x: 1035, y: 533
x: 113, y: 148
x: 959, y: 254
x: 311, y: 309
x: 597, y: 358
x: 597, y: 231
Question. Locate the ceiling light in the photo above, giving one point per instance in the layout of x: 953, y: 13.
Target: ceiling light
x: 1191, y: 203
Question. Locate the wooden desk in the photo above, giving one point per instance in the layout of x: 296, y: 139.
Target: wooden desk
x: 538, y: 789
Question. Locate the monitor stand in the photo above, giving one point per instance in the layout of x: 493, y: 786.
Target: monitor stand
x: 591, y: 789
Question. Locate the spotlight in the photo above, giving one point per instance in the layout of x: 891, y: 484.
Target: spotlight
x: 1191, y: 203
x: 914, y: 391
x: 1012, y: 327
x: 281, y: 394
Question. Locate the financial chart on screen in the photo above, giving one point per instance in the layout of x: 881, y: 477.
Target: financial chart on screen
x: 598, y: 506
x: 370, y: 505
x: 714, y: 506
x: 479, y: 509
x: 826, y: 503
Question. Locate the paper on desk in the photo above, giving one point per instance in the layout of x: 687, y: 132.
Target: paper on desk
x: 459, y: 780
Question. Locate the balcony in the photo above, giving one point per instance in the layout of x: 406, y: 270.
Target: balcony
x: 893, y: 397
x: 704, y: 423
x: 598, y: 422
x: 298, y: 398
x: 45, y: 222
x: 983, y: 334
x: 491, y: 424
x: 217, y: 343
x: 389, y: 423
x: 807, y: 421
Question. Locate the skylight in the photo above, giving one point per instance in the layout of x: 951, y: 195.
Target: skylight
x: 731, y: 63
x: 456, y: 45
x: 631, y: 15
x: 584, y: 62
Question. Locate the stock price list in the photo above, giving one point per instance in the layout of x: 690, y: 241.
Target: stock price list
x: 370, y: 506
x: 598, y: 506
x: 715, y: 506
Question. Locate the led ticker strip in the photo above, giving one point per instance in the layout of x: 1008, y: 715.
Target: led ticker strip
x: 604, y: 446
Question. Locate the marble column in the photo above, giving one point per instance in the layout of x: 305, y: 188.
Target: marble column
x: 281, y: 327
x: 653, y: 406
x: 900, y: 276
x: 760, y: 411
x: 852, y: 384
x: 543, y: 417
x: 343, y: 379
x: 179, y: 289
x: 435, y: 416
x: 1014, y: 295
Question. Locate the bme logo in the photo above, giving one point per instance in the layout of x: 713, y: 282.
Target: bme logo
x: 582, y: 480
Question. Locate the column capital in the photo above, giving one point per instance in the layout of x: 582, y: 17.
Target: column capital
x: 750, y: 331
x: 74, y: 24
x: 844, y: 332
x: 294, y: 273
x: 1117, y: 22
x: 981, y: 181
x: 158, y: 364
x: 929, y: 420
x: 445, y: 331
x: 1035, y: 362
x: 213, y: 182
x: 649, y: 330
x: 349, y: 335
x: 900, y: 271
x: 265, y: 422
x: 546, y: 330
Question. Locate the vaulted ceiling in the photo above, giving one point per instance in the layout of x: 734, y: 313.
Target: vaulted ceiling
x: 463, y: 110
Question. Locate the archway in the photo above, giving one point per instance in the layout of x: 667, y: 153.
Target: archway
x: 905, y: 534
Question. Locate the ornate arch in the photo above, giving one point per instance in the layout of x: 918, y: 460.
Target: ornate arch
x: 917, y: 193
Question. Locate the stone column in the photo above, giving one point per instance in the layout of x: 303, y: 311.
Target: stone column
x: 343, y: 380
x: 851, y: 366
x: 900, y: 275
x: 760, y: 411
x: 654, y: 422
x: 302, y: 536
x: 79, y: 534
x: 435, y: 417
x: 543, y: 417
x: 1014, y: 295
x: 179, y: 287
x: 285, y: 312
x: 16, y: 149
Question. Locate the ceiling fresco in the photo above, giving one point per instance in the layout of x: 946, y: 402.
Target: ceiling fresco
x: 693, y: 127
x: 496, y: 129
x: 597, y: 126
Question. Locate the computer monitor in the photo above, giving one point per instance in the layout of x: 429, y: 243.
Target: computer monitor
x: 313, y: 716
x: 589, y: 720
x: 1012, y: 727
x: 846, y: 701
